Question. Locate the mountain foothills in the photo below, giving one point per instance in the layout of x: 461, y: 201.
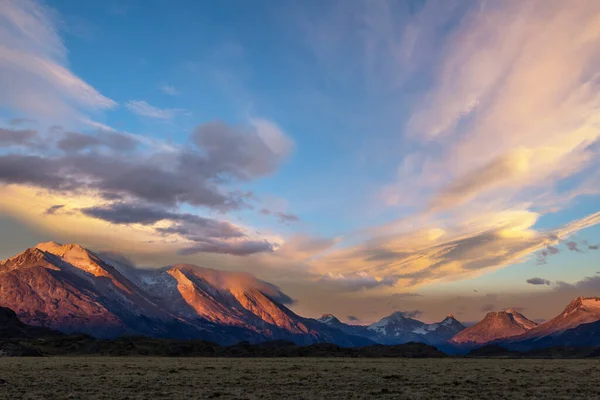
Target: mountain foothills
x: 73, y: 290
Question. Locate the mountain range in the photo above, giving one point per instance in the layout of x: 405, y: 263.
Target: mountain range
x: 398, y: 328
x: 71, y: 289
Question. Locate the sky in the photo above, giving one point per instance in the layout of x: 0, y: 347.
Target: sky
x: 367, y: 157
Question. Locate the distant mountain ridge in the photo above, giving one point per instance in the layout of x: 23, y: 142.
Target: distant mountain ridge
x: 398, y: 328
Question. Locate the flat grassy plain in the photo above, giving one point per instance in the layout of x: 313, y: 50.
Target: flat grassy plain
x: 295, y: 378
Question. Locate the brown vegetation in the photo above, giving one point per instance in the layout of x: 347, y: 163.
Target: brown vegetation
x: 297, y: 378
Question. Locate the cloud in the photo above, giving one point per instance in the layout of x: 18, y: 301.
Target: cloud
x: 525, y: 118
x: 33, y: 63
x: 545, y: 253
x: 409, y: 314
x: 573, y: 246
x: 243, y: 152
x: 74, y: 141
x: 191, y: 175
x: 502, y: 169
x: 508, y: 115
x: 170, y: 90
x: 54, y: 209
x: 352, y: 318
x: 137, y: 184
x: 200, y: 234
x: 284, y: 218
x: 142, y: 108
x: 589, y: 285
x: 594, y: 246
x: 538, y: 281
x: 483, y: 244
x: 11, y: 137
x: 240, y: 248
x: 357, y: 281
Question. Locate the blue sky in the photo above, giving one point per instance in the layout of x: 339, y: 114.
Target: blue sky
x: 348, y: 151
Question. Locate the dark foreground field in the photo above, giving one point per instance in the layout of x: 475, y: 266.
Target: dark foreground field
x: 298, y: 378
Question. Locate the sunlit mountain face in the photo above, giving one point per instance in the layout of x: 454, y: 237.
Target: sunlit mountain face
x: 233, y: 170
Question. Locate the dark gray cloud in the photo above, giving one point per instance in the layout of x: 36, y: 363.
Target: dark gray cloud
x: 54, y: 209
x: 573, y: 246
x: 123, y: 213
x: 208, y: 235
x: 538, y: 281
x: 75, y: 141
x: 543, y: 255
x: 194, y: 175
x: 236, y: 151
x: 284, y: 218
x: 594, y: 246
x: 16, y: 137
x: 240, y: 248
x: 33, y: 170
x: 588, y: 285
x: 352, y: 318
x: 409, y: 314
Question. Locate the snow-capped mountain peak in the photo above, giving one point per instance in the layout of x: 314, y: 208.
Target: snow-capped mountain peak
x: 329, y: 319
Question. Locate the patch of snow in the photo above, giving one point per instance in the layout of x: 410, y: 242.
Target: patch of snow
x: 432, y: 327
x: 327, y: 318
x: 420, y: 331
x: 379, y: 326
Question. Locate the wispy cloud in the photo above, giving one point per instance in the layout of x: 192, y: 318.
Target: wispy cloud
x: 478, y: 246
x: 33, y: 60
x: 170, y: 90
x: 356, y: 281
x: 509, y: 110
x: 142, y: 108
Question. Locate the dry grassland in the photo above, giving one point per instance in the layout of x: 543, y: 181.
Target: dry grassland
x: 295, y: 378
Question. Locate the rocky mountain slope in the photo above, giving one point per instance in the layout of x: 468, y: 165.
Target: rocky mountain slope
x: 71, y: 289
x: 495, y: 325
x: 582, y: 310
x: 577, y: 325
